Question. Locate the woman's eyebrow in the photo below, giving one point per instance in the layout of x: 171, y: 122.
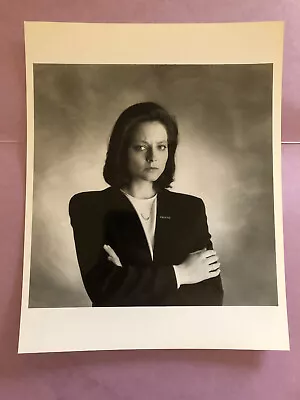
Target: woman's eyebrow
x: 162, y: 141
x: 140, y: 141
x: 145, y: 141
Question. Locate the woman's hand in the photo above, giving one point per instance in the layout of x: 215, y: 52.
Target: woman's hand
x: 112, y: 256
x: 198, y: 266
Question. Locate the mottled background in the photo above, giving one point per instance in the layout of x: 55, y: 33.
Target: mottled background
x: 224, y: 156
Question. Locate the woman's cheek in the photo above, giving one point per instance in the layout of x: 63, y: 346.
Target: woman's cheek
x: 166, y: 158
x: 139, y: 162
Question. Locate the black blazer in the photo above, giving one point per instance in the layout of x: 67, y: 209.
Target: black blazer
x: 108, y: 217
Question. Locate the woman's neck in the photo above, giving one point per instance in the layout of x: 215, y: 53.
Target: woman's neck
x: 140, y: 189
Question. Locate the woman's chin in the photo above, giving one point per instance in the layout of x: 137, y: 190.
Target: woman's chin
x: 152, y: 178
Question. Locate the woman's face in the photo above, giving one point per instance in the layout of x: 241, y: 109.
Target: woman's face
x: 148, y: 152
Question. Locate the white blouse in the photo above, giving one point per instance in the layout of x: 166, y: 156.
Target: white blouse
x: 146, y: 211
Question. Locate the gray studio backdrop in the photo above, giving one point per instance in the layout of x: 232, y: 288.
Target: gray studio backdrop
x: 224, y: 156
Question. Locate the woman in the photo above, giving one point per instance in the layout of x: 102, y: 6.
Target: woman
x: 137, y: 243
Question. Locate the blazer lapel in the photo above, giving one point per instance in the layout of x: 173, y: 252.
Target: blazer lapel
x: 164, y: 226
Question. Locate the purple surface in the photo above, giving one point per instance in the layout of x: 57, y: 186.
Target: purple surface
x: 140, y: 374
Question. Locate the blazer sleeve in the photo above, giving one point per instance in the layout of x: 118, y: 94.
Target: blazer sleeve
x: 106, y: 283
x: 203, y: 235
x: 211, y: 290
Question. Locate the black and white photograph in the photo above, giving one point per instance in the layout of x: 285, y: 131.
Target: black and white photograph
x: 152, y: 188
x: 187, y: 142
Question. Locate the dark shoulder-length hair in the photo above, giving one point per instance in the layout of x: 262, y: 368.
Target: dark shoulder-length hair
x: 115, y: 170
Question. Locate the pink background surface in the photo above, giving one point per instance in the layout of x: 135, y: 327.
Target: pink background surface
x: 139, y: 374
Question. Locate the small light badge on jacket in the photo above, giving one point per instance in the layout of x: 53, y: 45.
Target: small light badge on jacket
x: 165, y: 217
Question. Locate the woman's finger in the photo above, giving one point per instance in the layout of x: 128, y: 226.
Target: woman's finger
x: 112, y: 256
x: 209, y: 253
x: 109, y: 250
x: 115, y: 261
x: 214, y: 267
x: 214, y: 273
x: 212, y: 259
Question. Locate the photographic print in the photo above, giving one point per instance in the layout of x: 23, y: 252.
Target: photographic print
x: 153, y: 188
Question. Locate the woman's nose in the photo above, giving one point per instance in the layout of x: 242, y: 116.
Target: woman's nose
x: 151, y: 156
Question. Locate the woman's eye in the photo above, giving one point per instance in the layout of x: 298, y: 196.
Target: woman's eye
x: 140, y: 148
x: 162, y: 147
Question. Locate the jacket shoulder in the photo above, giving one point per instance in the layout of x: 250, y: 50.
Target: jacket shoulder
x: 183, y: 199
x: 88, y: 199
